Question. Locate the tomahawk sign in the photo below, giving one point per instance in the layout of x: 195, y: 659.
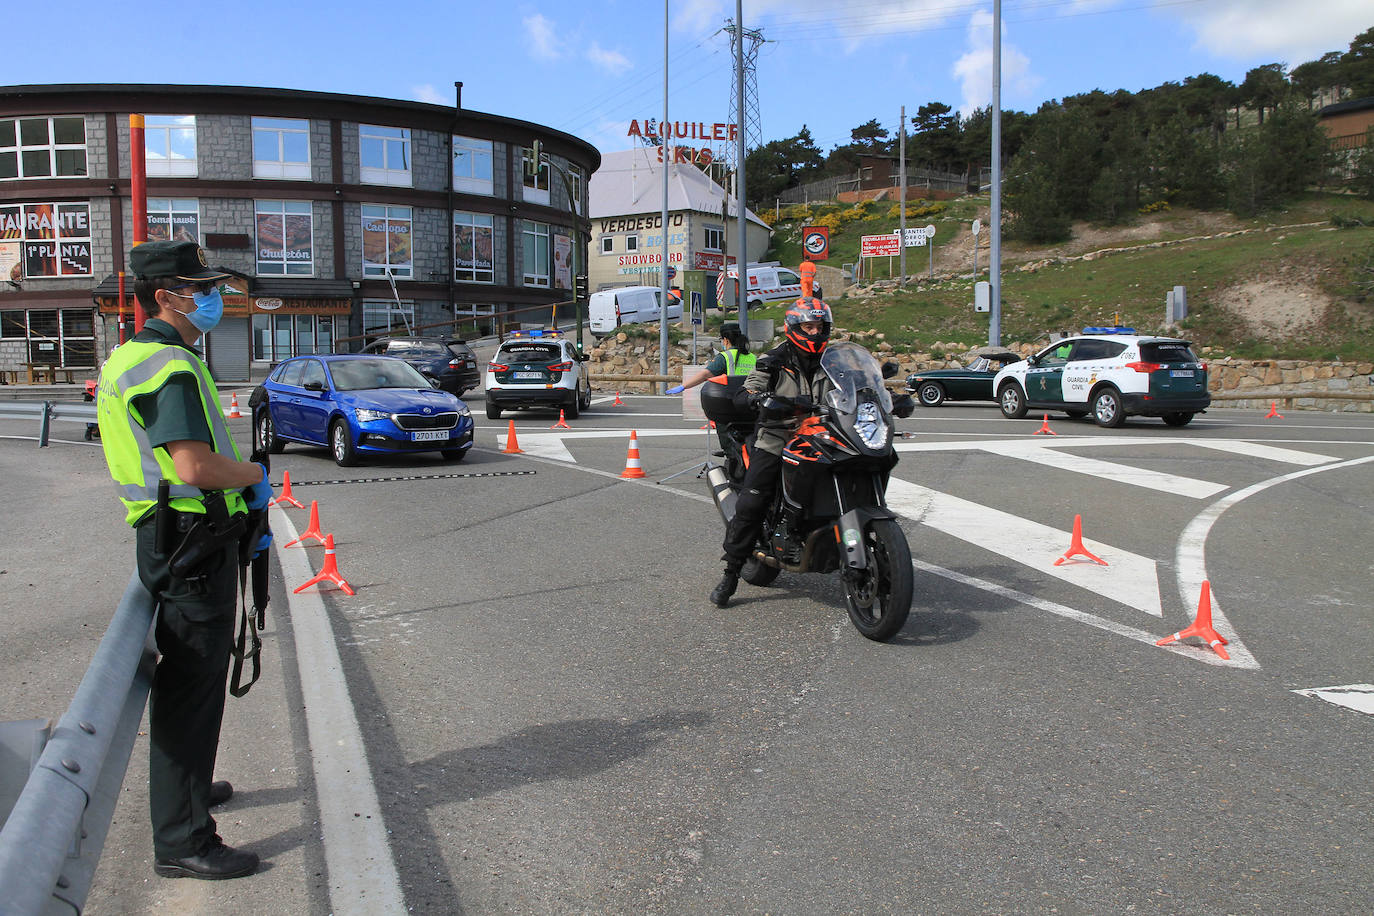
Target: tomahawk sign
x: 915, y: 238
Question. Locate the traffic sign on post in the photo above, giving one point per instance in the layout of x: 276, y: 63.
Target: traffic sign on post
x: 917, y: 236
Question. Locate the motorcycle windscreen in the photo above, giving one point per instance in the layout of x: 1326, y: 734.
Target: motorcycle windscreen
x: 852, y: 370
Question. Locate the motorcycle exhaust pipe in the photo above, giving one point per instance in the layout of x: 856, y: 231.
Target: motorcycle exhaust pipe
x: 721, y: 491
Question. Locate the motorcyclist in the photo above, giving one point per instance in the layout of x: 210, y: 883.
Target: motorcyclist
x: 790, y: 370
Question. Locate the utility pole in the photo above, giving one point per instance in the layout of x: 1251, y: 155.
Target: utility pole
x: 995, y: 256
x: 901, y: 164
x: 664, y: 132
x: 743, y: 260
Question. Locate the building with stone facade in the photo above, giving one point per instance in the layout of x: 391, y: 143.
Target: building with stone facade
x: 343, y: 217
x: 627, y: 238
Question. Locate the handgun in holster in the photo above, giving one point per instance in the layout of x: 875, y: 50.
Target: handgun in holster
x: 207, y: 535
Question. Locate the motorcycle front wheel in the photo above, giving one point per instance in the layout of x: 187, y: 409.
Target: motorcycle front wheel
x: 879, y: 597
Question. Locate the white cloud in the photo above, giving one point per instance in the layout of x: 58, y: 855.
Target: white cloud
x: 1275, y: 29
x: 427, y: 93
x: 613, y: 62
x: 974, y: 68
x: 543, y: 37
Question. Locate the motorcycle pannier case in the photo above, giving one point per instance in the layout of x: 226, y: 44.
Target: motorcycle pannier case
x: 718, y: 401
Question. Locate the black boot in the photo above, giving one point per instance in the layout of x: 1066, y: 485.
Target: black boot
x: 720, y: 595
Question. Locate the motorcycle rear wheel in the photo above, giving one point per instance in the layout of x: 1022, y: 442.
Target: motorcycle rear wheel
x: 756, y: 572
x: 880, y: 600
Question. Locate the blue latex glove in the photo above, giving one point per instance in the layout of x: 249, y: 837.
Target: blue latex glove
x: 676, y: 389
x: 263, y: 543
x: 260, y: 493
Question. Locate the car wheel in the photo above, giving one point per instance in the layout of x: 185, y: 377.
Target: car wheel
x: 1012, y: 401
x: 493, y: 412
x: 266, y: 437
x: 931, y: 394
x: 341, y: 444
x: 1178, y: 418
x: 573, y: 407
x: 1106, y: 409
x: 454, y: 454
x: 755, y: 303
x: 587, y: 398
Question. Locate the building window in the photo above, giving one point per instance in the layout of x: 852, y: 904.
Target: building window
x: 536, y: 176
x: 173, y: 220
x: 715, y: 238
x: 632, y: 243
x: 49, y: 240
x: 381, y: 316
x: 473, y: 247
x: 472, y: 165
x: 607, y: 244
x: 42, y: 147
x: 386, y: 241
x: 575, y: 184
x: 285, y: 238
x: 536, y: 253
x: 54, y: 337
x: 385, y: 155
x: 281, y: 148
x: 169, y: 145
x: 279, y: 337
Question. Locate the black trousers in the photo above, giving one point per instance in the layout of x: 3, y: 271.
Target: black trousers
x: 194, y: 631
x: 756, y: 493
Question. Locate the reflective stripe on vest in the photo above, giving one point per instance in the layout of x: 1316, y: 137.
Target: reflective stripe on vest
x: 134, y: 369
x: 737, y: 363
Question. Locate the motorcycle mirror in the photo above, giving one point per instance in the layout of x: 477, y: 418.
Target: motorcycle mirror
x: 890, y: 369
x: 903, y: 407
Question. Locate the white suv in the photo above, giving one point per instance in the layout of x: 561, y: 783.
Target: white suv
x: 537, y: 369
x: 1111, y: 373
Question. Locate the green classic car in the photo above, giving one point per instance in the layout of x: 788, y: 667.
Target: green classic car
x: 971, y: 383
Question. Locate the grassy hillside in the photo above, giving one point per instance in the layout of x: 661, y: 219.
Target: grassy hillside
x: 1292, y: 284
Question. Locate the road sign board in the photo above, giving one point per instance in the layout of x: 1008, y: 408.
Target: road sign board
x: 917, y: 236
x: 977, y: 226
x: 696, y: 307
x: 879, y: 246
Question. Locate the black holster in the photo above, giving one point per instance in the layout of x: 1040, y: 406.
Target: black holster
x: 205, y: 537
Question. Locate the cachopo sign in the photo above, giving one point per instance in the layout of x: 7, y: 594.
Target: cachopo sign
x: 816, y: 242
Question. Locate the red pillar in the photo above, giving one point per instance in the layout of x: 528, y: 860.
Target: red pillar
x: 138, y: 188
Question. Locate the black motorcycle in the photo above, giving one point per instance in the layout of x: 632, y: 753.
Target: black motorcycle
x: 829, y: 514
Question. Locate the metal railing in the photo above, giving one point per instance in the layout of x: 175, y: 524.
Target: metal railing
x: 47, y: 411
x: 52, y: 839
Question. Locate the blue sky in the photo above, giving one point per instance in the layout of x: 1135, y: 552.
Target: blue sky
x: 589, y: 68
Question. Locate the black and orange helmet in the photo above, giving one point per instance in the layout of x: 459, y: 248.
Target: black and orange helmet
x: 803, y: 310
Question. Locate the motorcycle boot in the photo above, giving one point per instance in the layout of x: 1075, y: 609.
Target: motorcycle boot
x: 720, y: 595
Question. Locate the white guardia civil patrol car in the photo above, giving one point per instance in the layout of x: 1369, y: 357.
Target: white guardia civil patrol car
x: 1111, y: 373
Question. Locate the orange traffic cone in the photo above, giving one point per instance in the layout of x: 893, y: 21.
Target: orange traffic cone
x: 1202, y: 625
x: 1076, y: 548
x: 632, y: 469
x: 287, y: 498
x: 617, y: 402
x: 234, y: 406
x: 1045, y: 427
x: 313, y: 529
x: 562, y: 423
x: 330, y: 570
x: 512, y: 444
x: 1273, y: 411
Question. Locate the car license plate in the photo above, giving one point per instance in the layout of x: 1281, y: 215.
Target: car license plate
x: 1180, y: 373
x: 529, y: 376
x: 429, y: 435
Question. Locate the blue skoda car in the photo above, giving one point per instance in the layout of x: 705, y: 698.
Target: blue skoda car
x: 358, y: 405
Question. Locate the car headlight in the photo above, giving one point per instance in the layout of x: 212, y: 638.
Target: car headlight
x: 464, y: 410
x: 369, y: 416
x: 871, y: 426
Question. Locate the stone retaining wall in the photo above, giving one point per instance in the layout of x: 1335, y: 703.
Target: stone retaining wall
x: 1296, y: 382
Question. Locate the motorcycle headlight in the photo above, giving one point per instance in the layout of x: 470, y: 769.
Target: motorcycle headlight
x: 871, y: 425
x: 369, y: 416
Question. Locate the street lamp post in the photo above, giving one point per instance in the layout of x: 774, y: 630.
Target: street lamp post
x: 579, y: 303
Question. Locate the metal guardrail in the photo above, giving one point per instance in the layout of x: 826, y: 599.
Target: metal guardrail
x: 47, y: 411
x: 52, y: 839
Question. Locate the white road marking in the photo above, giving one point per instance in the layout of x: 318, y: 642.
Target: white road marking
x: 551, y: 445
x: 1130, y: 579
x: 1359, y: 697
x: 1260, y: 450
x: 1191, y: 556
x: 1064, y: 460
x: 357, y: 853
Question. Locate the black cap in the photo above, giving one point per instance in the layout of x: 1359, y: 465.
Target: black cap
x: 182, y: 260
x: 730, y: 329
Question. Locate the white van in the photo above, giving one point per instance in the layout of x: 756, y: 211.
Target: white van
x: 608, y: 309
x: 767, y: 283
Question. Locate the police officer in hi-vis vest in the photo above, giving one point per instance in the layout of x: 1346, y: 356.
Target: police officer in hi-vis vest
x: 186, y: 493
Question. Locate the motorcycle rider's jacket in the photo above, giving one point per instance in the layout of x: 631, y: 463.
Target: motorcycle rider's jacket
x: 785, y: 373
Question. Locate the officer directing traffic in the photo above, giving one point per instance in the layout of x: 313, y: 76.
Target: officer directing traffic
x: 186, y: 492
